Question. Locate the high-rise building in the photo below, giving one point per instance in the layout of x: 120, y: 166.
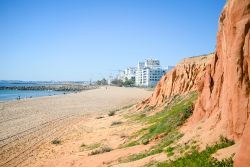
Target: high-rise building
x: 149, y: 72
x: 146, y: 74
x: 127, y: 74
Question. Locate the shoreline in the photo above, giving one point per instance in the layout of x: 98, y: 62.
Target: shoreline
x: 19, y: 97
x: 63, y: 93
x: 42, y: 91
x: 64, y: 87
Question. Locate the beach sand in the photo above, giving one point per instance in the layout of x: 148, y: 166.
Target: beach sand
x: 29, y: 126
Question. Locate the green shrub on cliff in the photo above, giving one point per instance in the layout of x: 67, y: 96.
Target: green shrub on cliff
x: 163, y: 126
x: 166, y: 121
x: 203, y: 158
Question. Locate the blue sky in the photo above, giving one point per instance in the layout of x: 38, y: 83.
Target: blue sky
x: 90, y: 39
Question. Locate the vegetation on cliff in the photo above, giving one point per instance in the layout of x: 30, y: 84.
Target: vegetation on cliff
x: 161, y: 127
x: 203, y: 158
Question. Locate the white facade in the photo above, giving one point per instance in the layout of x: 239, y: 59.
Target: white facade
x: 128, y: 73
x: 148, y: 73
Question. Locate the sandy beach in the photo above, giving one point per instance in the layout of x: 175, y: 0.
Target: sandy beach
x: 28, y: 126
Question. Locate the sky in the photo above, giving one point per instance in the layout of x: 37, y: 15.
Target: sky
x: 91, y: 39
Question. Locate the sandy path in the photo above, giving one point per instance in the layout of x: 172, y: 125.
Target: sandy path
x: 27, y: 124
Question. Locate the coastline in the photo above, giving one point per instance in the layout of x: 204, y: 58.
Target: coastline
x: 64, y: 87
x: 33, y: 94
x: 10, y: 93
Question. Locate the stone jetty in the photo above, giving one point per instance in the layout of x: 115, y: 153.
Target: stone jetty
x: 64, y: 87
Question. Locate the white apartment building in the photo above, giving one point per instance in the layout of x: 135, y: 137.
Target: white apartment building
x: 128, y: 73
x: 149, y: 72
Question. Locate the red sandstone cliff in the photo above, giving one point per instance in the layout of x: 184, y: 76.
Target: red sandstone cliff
x: 225, y: 92
x: 223, y: 105
x: 185, y: 77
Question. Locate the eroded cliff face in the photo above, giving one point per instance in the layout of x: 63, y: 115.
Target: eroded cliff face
x: 185, y: 77
x: 223, y: 83
x: 225, y: 89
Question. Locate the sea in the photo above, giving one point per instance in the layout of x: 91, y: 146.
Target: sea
x: 7, y: 95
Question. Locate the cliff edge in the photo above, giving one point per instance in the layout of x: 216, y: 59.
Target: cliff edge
x: 185, y: 77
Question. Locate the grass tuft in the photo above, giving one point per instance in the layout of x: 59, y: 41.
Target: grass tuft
x: 83, y: 145
x: 116, y: 123
x: 111, y: 113
x: 169, y: 151
x: 100, y: 117
x: 56, y: 141
x: 145, y: 141
x: 101, y: 150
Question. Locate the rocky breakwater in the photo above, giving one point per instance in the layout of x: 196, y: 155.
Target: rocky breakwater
x: 224, y: 100
x: 185, y: 77
x: 64, y: 87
